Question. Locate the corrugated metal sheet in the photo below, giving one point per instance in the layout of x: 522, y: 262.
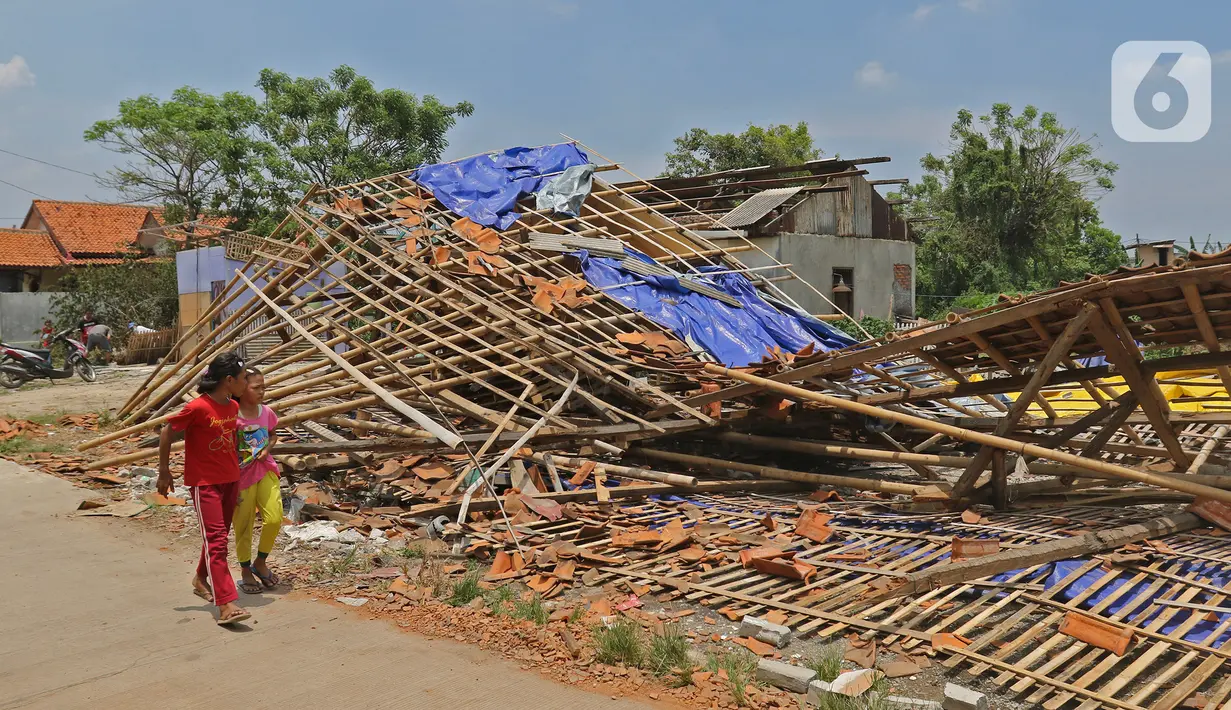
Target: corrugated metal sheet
x: 754, y: 208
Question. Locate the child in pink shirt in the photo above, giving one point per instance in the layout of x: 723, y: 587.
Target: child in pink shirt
x: 258, y: 485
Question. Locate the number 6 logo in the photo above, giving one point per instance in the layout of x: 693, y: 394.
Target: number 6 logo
x: 1160, y: 92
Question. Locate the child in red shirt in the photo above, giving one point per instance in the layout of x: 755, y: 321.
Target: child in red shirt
x: 211, y: 471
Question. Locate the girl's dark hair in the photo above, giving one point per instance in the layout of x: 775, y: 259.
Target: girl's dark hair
x: 225, y: 365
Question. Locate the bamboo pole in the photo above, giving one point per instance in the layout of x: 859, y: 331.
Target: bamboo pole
x: 842, y: 450
x: 781, y: 474
x: 640, y: 474
x: 975, y: 436
x: 388, y: 398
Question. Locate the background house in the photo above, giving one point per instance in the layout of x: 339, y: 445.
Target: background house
x: 823, y: 217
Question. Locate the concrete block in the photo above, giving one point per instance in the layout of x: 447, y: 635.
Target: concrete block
x: 765, y: 631
x: 901, y: 703
x: 959, y: 698
x: 785, y: 676
x: 817, y: 690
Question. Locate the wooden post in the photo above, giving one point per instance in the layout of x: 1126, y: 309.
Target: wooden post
x: 1058, y: 350
x: 1153, y: 404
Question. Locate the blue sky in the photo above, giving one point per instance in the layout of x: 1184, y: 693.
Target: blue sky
x: 870, y: 78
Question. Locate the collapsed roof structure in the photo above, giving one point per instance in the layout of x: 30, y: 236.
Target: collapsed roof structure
x: 511, y: 335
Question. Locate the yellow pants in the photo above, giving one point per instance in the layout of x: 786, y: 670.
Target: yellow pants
x: 264, y: 495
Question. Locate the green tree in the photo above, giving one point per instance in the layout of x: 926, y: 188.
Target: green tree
x: 342, y: 129
x: 1013, y: 207
x: 183, y: 152
x: 698, y: 151
x: 142, y: 292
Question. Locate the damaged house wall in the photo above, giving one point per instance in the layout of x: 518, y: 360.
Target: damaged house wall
x: 875, y: 264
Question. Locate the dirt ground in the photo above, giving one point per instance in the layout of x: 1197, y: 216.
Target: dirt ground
x: 42, y: 399
x: 333, y: 571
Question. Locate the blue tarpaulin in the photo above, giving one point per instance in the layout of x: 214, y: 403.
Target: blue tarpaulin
x: 734, y: 336
x: 486, y: 188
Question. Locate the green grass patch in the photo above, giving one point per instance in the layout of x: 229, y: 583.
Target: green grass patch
x: 620, y: 644
x: 24, y: 444
x: 741, y: 668
x: 413, y: 551
x: 465, y: 590
x: 668, y: 651
x: 532, y: 610
x: 501, y: 600
x: 827, y: 661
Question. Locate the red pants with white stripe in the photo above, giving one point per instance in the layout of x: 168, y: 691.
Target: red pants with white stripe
x: 215, y: 505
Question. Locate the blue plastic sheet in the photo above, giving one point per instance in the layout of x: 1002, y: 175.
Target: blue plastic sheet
x: 1218, y: 575
x: 486, y: 188
x: 734, y: 336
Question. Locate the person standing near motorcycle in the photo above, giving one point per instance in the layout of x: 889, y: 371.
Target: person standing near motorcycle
x: 211, y: 471
x: 96, y: 335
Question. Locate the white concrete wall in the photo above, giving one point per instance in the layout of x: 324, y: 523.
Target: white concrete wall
x: 814, y: 257
x: 21, y: 314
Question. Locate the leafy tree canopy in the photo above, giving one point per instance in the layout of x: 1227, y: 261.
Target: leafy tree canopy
x: 142, y: 292
x: 698, y: 151
x: 340, y: 130
x: 1014, y: 208
x: 246, y: 158
x: 180, y: 152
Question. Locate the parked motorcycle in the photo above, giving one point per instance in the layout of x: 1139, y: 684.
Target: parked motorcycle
x: 21, y: 365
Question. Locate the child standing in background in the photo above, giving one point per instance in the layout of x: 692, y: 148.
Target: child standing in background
x: 258, y: 485
x: 211, y: 471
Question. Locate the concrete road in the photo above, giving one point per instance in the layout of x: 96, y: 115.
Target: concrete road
x: 93, y: 615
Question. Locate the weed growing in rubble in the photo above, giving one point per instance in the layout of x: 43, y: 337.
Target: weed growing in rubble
x: 412, y: 552
x: 827, y: 661
x: 619, y: 643
x: 465, y: 590
x: 532, y: 610
x: 576, y: 616
x: 668, y: 651
x: 500, y: 600
x: 876, y: 698
x: 105, y: 418
x: 432, y: 576
x: 741, y: 668
x: 21, y: 444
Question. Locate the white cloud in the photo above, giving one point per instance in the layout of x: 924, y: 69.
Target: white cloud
x: 972, y: 5
x: 921, y: 13
x: 873, y: 74
x: 15, y: 73
x: 1223, y: 57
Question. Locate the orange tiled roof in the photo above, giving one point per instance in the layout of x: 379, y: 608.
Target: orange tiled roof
x: 28, y: 248
x: 220, y: 222
x: 90, y: 227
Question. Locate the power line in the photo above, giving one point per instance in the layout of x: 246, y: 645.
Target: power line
x: 19, y: 187
x: 44, y: 162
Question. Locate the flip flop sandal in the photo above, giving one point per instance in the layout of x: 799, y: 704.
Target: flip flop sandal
x: 203, y: 594
x: 235, y: 618
x: 250, y: 587
x: 269, y: 581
